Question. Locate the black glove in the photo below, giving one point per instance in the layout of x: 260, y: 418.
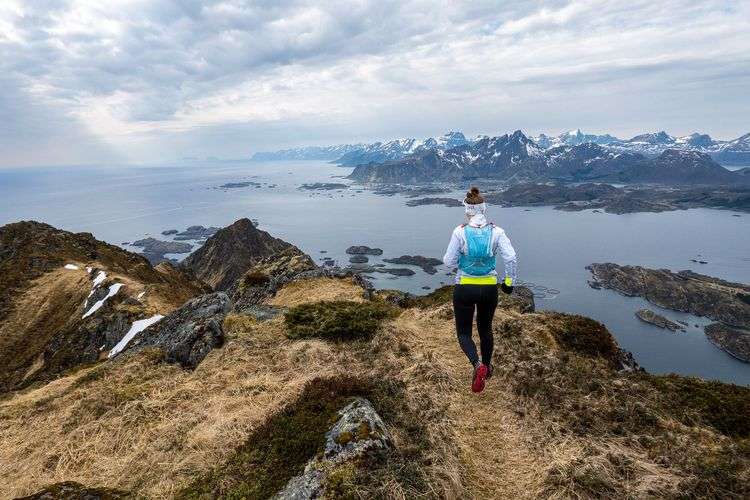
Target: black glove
x: 507, y: 285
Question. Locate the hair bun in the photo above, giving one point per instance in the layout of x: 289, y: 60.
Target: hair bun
x: 473, y: 197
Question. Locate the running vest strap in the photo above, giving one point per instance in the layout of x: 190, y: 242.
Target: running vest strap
x: 479, y: 260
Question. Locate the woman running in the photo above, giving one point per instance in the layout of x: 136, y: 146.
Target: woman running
x: 473, y: 248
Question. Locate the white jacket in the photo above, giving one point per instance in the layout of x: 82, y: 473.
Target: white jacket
x: 500, y: 242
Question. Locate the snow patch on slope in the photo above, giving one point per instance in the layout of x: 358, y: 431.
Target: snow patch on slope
x: 112, y: 292
x: 135, y: 329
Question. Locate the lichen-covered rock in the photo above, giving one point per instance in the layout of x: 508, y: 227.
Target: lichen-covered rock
x: 70, y: 490
x: 358, y: 432
x: 188, y: 334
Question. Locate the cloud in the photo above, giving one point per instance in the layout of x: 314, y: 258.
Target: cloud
x: 140, y: 74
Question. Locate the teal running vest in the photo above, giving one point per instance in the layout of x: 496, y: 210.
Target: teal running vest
x: 479, y: 259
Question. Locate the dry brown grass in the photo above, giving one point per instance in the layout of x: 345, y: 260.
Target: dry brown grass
x: 316, y: 290
x: 145, y: 426
x: 31, y: 323
x: 142, y: 425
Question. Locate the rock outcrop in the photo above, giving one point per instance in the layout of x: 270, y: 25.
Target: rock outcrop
x: 188, y: 334
x: 358, y: 432
x: 229, y: 253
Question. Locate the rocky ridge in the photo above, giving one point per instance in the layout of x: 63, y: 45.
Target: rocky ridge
x: 230, y: 252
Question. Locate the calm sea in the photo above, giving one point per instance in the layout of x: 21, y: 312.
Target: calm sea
x: 122, y: 204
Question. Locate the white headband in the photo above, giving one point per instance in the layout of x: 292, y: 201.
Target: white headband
x: 473, y: 210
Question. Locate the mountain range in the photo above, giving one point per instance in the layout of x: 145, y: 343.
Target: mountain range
x: 734, y: 152
x: 515, y: 158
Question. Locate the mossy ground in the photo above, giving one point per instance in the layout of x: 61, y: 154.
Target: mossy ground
x: 71, y: 490
x: 280, y: 448
x: 697, y: 428
x: 336, y: 320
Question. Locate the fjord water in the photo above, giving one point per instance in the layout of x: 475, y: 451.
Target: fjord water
x: 122, y: 204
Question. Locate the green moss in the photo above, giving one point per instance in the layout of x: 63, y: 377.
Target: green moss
x: 725, y: 407
x: 344, y: 438
x: 341, y: 483
x: 585, y: 336
x: 363, y: 431
x: 280, y: 448
x: 71, y: 490
x: 336, y: 320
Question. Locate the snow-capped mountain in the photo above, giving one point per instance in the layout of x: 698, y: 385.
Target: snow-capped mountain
x: 573, y: 138
x: 380, y: 152
x: 517, y: 158
x: 696, y: 140
x: 735, y: 152
x: 307, y: 153
x: 510, y: 156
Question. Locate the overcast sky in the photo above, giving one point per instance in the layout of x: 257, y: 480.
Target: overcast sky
x: 91, y: 81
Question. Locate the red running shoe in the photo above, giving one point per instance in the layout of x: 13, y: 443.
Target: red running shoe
x: 480, y: 374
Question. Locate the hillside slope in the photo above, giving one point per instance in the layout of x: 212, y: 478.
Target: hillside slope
x: 66, y: 299
x: 560, y: 418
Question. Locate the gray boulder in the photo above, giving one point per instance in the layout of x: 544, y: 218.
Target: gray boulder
x: 358, y: 432
x: 188, y: 334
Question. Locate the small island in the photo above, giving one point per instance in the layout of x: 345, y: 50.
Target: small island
x: 659, y: 321
x: 734, y: 341
x: 323, y: 186
x: 426, y: 263
x: 446, y: 202
x: 155, y: 250
x: 363, y: 250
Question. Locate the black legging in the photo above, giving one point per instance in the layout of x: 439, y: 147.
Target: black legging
x: 465, y: 299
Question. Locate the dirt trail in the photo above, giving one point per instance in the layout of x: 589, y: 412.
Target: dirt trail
x: 495, y: 448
